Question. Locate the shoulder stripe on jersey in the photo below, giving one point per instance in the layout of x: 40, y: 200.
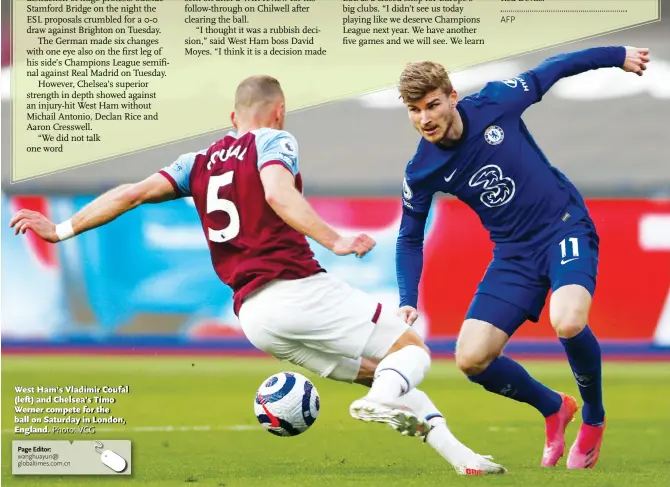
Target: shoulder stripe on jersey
x: 276, y: 162
x: 172, y: 181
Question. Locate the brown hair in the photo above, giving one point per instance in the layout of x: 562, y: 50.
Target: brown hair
x: 257, y: 90
x: 420, y: 78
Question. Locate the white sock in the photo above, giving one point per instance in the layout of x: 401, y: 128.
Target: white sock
x: 398, y: 373
x: 446, y: 444
x: 440, y: 437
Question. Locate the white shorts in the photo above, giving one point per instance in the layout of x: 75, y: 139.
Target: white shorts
x: 320, y: 323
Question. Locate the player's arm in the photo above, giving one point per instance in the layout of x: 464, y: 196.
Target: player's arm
x: 163, y: 186
x: 283, y: 197
x: 409, y: 256
x: 409, y: 246
x: 529, y: 87
x: 278, y: 166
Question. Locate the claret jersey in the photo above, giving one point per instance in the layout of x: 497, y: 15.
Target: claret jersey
x: 249, y: 243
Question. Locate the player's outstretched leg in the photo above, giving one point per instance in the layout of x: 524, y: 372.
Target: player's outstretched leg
x: 478, y: 355
x: 569, y: 309
x: 403, y: 360
x: 396, y: 414
x: 429, y: 424
x: 441, y: 439
x: 400, y: 369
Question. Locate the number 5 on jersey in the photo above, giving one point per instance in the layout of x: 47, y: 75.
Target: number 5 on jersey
x: 214, y: 204
x: 574, y: 249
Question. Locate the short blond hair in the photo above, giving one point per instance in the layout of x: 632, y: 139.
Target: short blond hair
x: 257, y: 90
x: 420, y: 78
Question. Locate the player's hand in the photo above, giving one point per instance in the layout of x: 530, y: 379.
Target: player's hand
x: 360, y: 245
x: 26, y: 220
x: 408, y: 314
x: 636, y: 60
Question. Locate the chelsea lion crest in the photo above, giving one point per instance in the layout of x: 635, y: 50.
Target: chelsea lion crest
x: 494, y: 135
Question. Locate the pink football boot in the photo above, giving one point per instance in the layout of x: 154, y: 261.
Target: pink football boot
x: 586, y: 449
x: 556, y: 424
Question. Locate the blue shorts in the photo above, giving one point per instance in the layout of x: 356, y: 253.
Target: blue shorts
x: 515, y: 286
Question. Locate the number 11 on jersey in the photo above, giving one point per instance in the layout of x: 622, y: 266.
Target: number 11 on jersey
x: 574, y: 248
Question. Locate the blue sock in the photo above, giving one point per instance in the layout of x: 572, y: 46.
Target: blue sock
x: 583, y: 353
x: 508, y: 378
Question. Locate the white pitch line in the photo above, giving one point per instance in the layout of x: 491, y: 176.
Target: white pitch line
x: 166, y: 429
x: 507, y: 428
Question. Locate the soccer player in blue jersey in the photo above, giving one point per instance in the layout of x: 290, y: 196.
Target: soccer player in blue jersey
x: 480, y: 150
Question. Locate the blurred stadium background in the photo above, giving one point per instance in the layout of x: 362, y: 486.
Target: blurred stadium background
x: 145, y: 281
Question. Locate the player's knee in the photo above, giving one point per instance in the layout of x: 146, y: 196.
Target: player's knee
x: 473, y: 361
x: 569, y: 310
x: 569, y: 323
x: 473, y: 358
x: 569, y: 320
x: 479, y: 343
x: 409, y: 338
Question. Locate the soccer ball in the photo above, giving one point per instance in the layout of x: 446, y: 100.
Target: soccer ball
x: 286, y: 404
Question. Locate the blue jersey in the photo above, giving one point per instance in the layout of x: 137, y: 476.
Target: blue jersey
x: 496, y: 167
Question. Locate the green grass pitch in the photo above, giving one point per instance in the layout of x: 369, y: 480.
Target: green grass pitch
x: 215, y: 441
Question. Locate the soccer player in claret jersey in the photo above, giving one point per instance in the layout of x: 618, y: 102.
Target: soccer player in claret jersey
x: 247, y: 190
x: 480, y: 150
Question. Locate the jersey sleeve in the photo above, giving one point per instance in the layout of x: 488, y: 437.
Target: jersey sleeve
x: 409, y: 257
x: 514, y: 94
x: 179, y: 173
x: 278, y: 147
x: 416, y: 203
x: 518, y: 93
x: 416, y: 199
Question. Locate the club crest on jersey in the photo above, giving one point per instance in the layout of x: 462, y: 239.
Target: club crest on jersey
x: 494, y: 135
x: 406, y: 190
